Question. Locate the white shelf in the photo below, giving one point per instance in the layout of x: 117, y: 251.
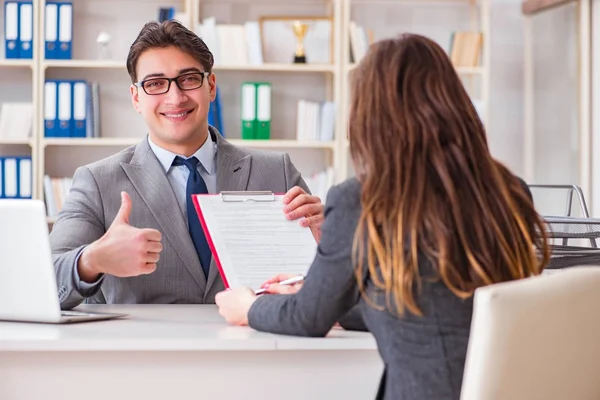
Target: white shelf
x: 16, y: 63
x: 460, y: 70
x: 413, y: 2
x: 287, y: 144
x: 122, y: 141
x: 98, y: 64
x: 269, y: 144
x: 278, y: 67
x: 28, y: 142
x: 109, y: 64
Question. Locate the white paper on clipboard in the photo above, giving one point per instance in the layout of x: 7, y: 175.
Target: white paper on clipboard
x: 251, y: 239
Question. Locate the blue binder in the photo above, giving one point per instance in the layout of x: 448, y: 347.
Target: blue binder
x: 10, y: 178
x: 26, y: 29
x: 65, y: 30
x: 51, y: 31
x: 79, y: 98
x: 1, y: 177
x: 166, y: 13
x: 50, y: 109
x: 65, y: 108
x: 11, y: 29
x: 214, y: 114
x: 24, y: 177
x: 219, y: 115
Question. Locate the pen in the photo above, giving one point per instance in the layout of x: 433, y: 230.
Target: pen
x: 290, y: 281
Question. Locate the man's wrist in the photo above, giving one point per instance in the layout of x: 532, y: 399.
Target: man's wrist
x: 86, y: 268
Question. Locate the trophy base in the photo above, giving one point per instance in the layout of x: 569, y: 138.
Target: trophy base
x: 299, y: 59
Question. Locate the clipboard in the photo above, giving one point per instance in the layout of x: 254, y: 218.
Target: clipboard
x: 251, y: 239
x: 260, y: 196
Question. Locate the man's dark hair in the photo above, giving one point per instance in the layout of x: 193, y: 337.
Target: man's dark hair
x: 166, y: 34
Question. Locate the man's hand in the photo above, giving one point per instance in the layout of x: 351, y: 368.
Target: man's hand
x: 299, y: 204
x: 234, y: 304
x: 123, y: 250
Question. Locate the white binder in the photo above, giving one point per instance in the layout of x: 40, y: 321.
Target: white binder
x: 64, y: 109
x: 26, y: 30
x: 80, y: 96
x: 1, y: 178
x: 11, y: 29
x: 51, y: 31
x: 10, y: 177
x: 25, y: 178
x: 50, y: 107
x: 65, y: 30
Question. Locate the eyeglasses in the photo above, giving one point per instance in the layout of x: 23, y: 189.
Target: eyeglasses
x: 189, y: 81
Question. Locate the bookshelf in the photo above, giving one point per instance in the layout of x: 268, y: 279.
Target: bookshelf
x: 121, y: 126
x: 16, y: 63
x: 18, y: 84
x: 436, y: 19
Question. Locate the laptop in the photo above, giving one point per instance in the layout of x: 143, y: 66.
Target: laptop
x: 28, y: 289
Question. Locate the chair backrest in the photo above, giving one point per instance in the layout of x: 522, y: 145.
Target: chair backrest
x: 536, y: 338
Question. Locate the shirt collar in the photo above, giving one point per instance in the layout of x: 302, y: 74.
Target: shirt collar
x: 205, y: 154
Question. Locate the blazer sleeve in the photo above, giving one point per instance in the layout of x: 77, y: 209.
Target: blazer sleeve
x: 353, y: 320
x: 330, y: 289
x: 79, y: 224
x: 292, y: 175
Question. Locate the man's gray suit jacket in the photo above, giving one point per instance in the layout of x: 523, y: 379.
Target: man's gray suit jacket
x: 94, y: 201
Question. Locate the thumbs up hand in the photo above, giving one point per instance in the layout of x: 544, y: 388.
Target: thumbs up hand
x: 123, y: 250
x: 124, y: 211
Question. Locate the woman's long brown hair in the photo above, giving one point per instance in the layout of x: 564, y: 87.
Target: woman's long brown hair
x: 431, y: 190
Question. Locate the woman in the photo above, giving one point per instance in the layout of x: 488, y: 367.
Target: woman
x: 430, y: 218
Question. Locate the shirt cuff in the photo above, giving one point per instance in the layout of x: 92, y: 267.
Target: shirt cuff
x: 84, y: 288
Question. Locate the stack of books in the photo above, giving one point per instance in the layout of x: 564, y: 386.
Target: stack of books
x: 16, y: 121
x: 315, y: 121
x: 465, y: 48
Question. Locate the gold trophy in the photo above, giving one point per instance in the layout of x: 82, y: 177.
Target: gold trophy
x: 300, y: 31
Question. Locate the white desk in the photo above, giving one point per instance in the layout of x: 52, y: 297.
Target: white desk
x: 180, y: 352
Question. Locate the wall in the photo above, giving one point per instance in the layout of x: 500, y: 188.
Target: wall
x: 505, y: 133
x: 555, y: 35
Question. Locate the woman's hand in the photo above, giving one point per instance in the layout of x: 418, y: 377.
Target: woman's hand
x: 272, y: 285
x: 234, y: 304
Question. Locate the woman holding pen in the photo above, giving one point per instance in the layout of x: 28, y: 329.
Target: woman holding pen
x: 430, y: 217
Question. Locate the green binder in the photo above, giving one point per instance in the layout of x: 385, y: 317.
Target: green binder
x: 263, y: 110
x: 248, y: 110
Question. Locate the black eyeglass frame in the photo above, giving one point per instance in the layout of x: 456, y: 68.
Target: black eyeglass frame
x: 204, y: 75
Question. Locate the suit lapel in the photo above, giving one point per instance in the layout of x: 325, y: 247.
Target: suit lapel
x: 233, y: 173
x: 233, y: 167
x: 149, y: 179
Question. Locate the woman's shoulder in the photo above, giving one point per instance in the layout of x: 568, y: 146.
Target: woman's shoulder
x: 343, y: 203
x: 347, y: 192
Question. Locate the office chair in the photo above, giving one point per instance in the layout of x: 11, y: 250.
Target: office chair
x: 536, y: 339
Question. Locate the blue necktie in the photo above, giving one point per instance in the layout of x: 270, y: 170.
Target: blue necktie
x: 195, y: 185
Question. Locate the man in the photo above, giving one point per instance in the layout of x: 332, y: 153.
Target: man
x: 128, y: 232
